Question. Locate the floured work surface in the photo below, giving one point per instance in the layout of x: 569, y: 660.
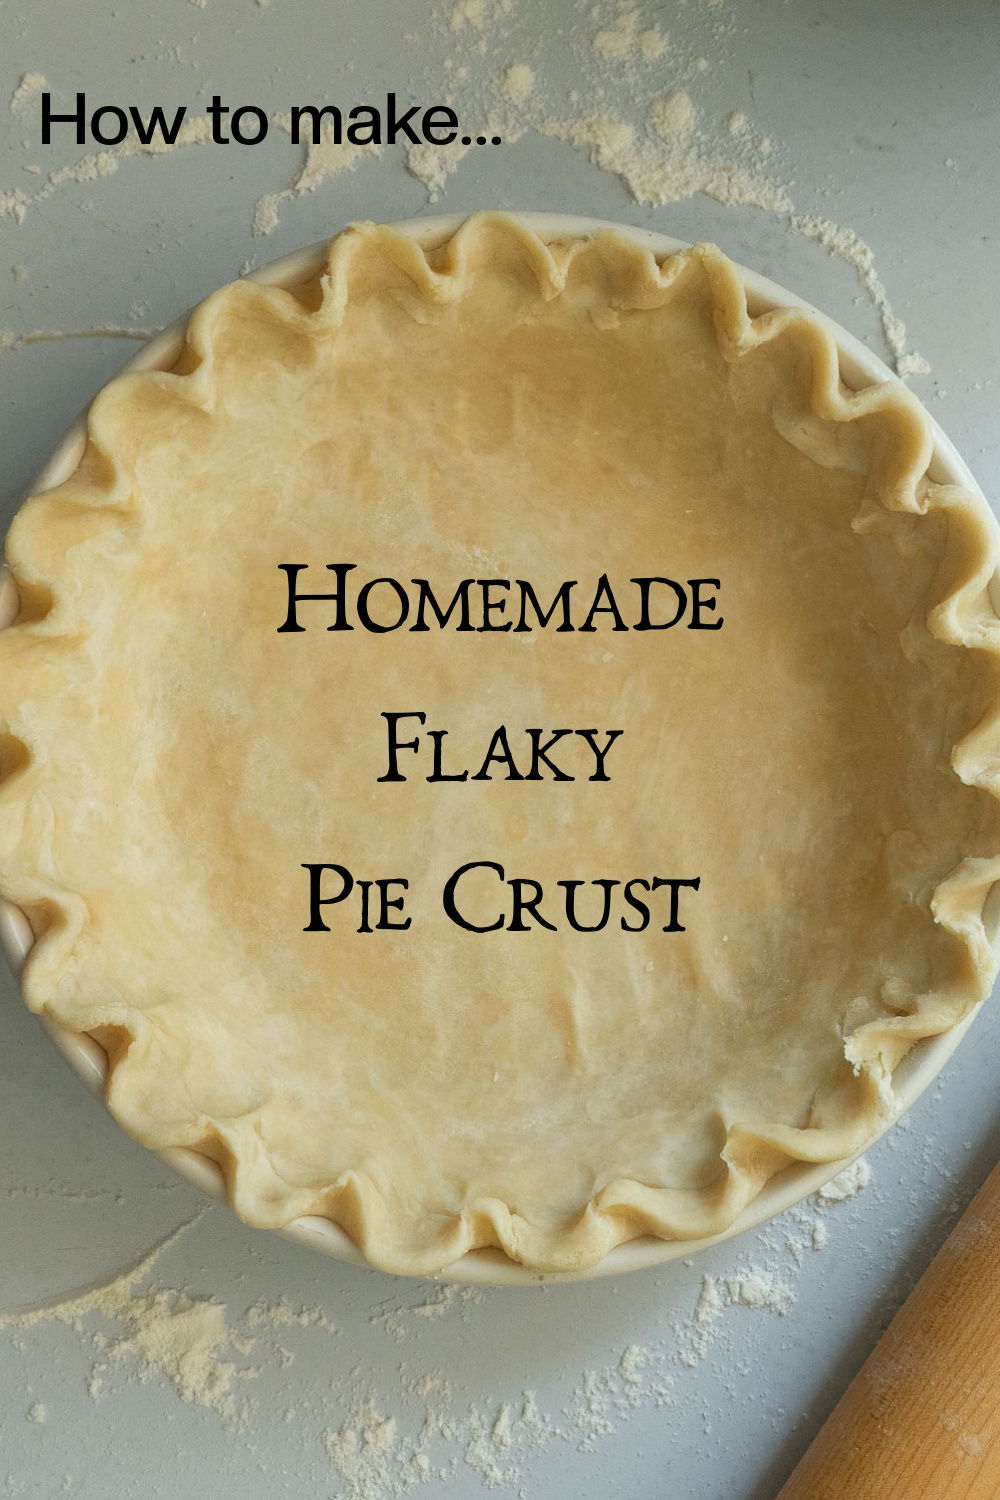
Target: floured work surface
x: 503, y: 411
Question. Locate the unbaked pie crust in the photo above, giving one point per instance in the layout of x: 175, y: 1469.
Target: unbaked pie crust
x: 502, y: 407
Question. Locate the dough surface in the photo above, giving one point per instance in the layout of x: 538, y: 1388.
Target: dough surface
x: 503, y: 408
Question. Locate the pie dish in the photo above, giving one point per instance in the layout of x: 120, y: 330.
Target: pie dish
x: 506, y: 406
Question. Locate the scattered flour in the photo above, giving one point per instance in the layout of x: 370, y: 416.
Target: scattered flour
x: 366, y: 1454
x: 56, y: 336
x: 852, y: 248
x: 664, y: 160
x: 23, y: 98
x: 911, y: 364
x: 195, y: 131
x: 847, y: 1184
x: 673, y: 116
x: 469, y: 13
x: 280, y: 1315
x: 653, y: 44
x: 64, y: 1193
x: 518, y: 82
x: 660, y: 171
x: 180, y: 1337
x: 756, y: 1288
x: 620, y: 40
x: 167, y: 1333
x: 73, y: 1307
x: 414, y: 1429
x: 433, y: 165
x: 603, y: 1398
x: 14, y: 204
x: 324, y: 158
x: 749, y: 1286
x: 377, y: 1457
x: 710, y: 1303
x: 163, y: 1332
x: 395, y: 1318
x: 628, y: 39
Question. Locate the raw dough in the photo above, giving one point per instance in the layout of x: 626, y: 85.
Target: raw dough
x: 501, y: 407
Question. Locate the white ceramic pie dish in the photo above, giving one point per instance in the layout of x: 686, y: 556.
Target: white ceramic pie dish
x: 859, y: 368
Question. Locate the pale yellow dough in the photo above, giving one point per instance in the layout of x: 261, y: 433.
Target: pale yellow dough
x: 503, y: 408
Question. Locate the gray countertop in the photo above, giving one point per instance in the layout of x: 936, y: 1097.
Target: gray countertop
x: 880, y: 119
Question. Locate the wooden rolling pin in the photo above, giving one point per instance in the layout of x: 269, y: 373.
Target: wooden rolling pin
x: 921, y: 1419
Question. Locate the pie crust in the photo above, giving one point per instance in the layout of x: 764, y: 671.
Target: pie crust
x: 509, y: 408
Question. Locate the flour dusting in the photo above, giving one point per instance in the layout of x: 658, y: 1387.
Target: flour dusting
x: 433, y: 165
x: 73, y: 1307
x: 384, y: 1432
x: 10, y: 340
x: 24, y: 96
x: 182, y: 1338
x: 518, y: 82
x: 380, y: 1457
x: 324, y: 158
x: 658, y: 145
x: 281, y: 1315
x: 195, y: 131
x: 852, y: 248
x: 666, y: 169
x: 164, y: 1332
x: 673, y: 116
x: 847, y: 1184
x: 396, y: 1319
